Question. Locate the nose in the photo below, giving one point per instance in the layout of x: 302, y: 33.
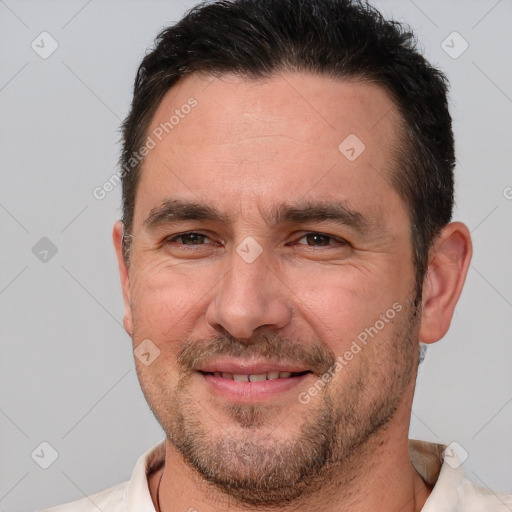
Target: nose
x: 250, y: 296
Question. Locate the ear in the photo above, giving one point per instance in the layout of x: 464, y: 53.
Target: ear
x: 449, y: 260
x: 117, y: 237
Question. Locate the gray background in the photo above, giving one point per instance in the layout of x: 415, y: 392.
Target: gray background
x: 67, y: 375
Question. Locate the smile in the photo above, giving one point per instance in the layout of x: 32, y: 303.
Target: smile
x: 257, y: 377
x: 250, y: 382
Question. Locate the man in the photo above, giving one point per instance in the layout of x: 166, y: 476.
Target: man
x: 286, y: 245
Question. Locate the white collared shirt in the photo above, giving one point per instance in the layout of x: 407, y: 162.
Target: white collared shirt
x: 436, y: 465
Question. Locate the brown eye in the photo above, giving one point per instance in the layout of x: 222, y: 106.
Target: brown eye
x: 317, y: 239
x: 190, y: 239
x: 320, y: 240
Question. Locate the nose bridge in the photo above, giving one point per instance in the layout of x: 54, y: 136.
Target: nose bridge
x: 249, y: 295
x: 241, y: 280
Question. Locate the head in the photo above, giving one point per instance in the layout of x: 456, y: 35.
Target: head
x: 290, y: 213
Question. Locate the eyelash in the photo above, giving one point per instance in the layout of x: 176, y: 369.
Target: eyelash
x: 338, y: 240
x: 181, y: 235
x: 330, y: 237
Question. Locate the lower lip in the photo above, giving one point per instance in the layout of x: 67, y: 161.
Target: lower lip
x: 251, y: 392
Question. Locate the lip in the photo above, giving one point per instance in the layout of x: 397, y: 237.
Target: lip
x: 250, y: 367
x: 251, y: 392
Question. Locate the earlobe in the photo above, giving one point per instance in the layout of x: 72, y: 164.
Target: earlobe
x: 449, y: 261
x: 117, y: 237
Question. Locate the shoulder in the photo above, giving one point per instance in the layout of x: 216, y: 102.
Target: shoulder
x: 130, y: 496
x: 112, y: 499
x: 475, y: 498
x: 441, y: 467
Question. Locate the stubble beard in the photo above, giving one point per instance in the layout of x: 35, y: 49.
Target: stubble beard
x: 253, y: 464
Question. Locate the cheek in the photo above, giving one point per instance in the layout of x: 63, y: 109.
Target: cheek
x: 340, y: 304
x: 166, y: 302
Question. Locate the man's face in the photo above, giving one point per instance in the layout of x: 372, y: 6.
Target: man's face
x: 266, y: 240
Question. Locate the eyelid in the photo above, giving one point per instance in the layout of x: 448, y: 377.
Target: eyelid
x: 333, y: 237
x: 172, y: 238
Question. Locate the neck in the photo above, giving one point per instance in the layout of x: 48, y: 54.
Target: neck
x: 379, y: 477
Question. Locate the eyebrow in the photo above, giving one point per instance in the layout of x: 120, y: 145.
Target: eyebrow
x: 338, y: 212
x: 175, y: 210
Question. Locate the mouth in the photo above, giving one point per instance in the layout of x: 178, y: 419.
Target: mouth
x: 251, y: 382
x: 255, y: 377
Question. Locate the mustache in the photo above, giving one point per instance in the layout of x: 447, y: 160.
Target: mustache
x: 267, y: 345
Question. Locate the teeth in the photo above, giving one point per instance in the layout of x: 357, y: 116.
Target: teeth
x: 260, y: 377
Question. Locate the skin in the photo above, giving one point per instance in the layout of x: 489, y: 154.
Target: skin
x: 248, y: 147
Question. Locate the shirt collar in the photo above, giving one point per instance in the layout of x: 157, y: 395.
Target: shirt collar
x: 138, y: 497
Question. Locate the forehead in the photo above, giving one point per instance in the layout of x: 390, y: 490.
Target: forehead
x: 248, y: 144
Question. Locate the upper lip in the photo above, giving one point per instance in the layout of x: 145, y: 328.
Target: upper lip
x: 238, y: 367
